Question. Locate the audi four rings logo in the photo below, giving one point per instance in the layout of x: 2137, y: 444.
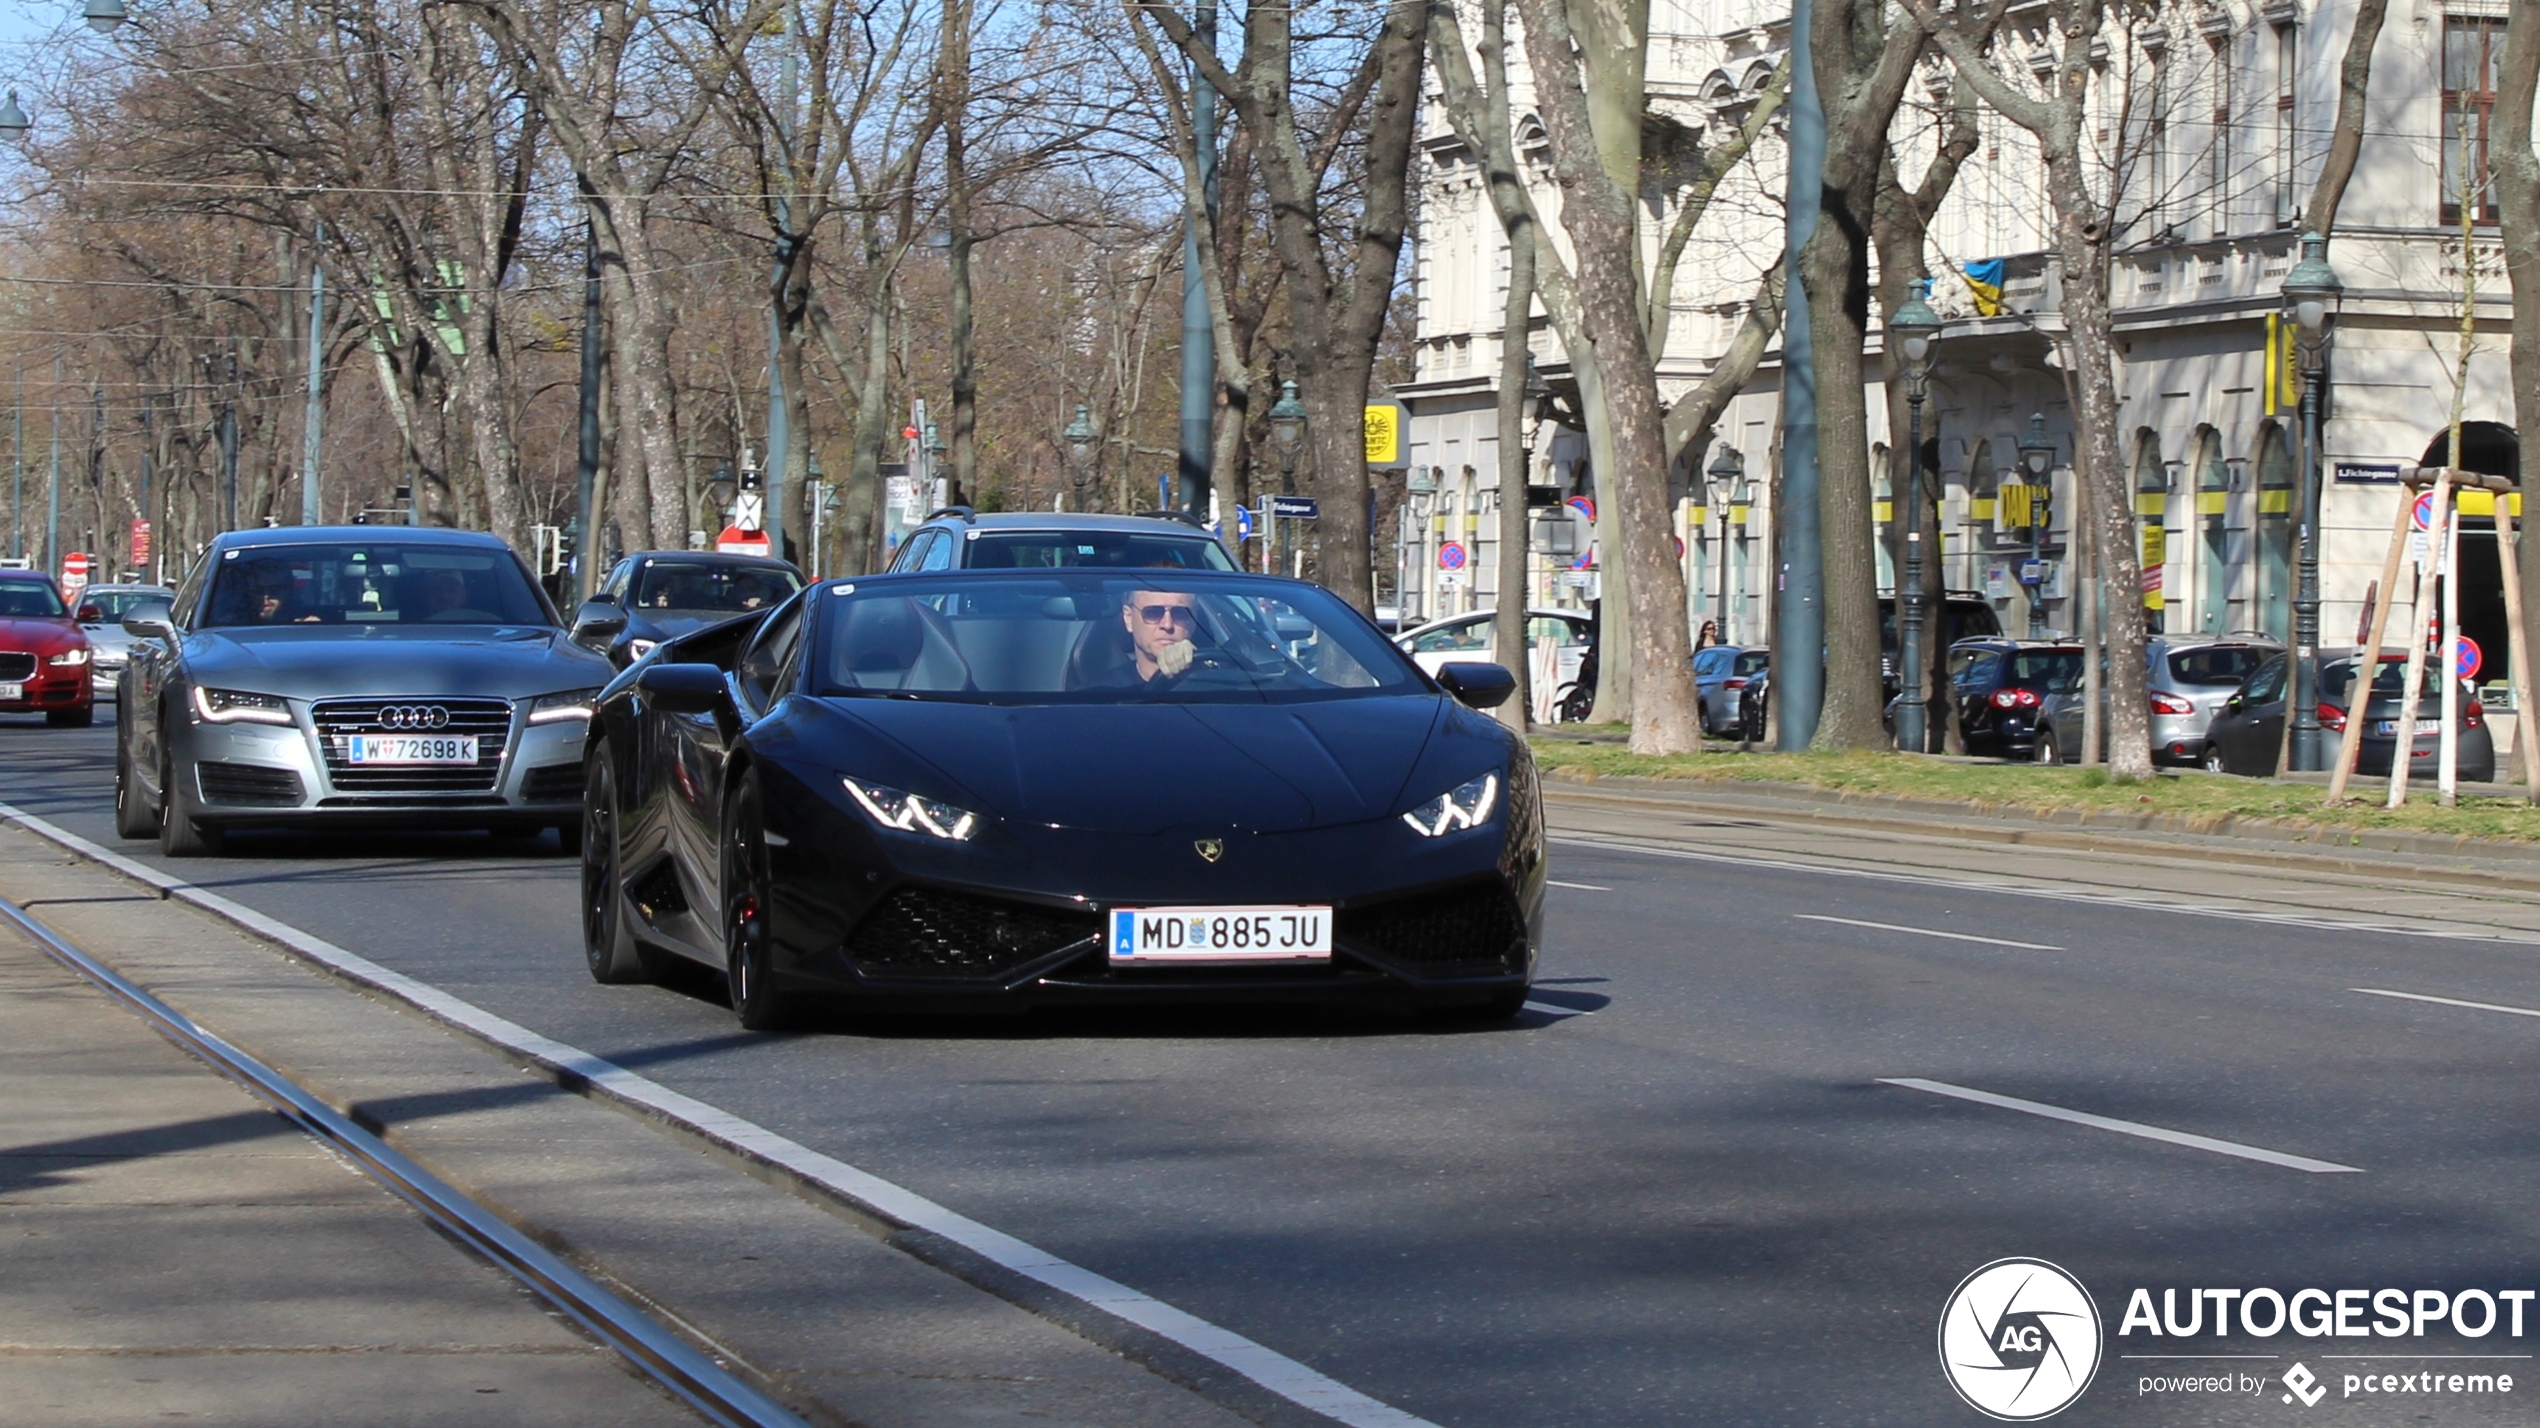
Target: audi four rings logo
x: 414, y: 716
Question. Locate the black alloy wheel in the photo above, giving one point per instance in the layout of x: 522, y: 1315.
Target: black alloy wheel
x: 179, y: 835
x: 133, y: 817
x: 608, y: 943
x: 2214, y: 760
x: 748, y: 973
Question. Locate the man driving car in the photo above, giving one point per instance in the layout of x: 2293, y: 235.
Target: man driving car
x: 1160, y: 625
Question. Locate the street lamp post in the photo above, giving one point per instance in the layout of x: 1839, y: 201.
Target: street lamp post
x: 1915, y: 329
x: 2311, y: 295
x: 1728, y: 479
x: 1287, y: 432
x: 2037, y: 465
x: 1081, y: 438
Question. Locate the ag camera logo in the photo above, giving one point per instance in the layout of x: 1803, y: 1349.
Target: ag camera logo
x: 2019, y: 1340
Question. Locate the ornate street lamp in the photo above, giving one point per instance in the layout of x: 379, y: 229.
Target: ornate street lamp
x: 2312, y: 294
x: 2037, y: 467
x: 104, y: 15
x: 13, y: 120
x: 1287, y: 432
x: 1081, y: 439
x: 1915, y: 329
x: 1728, y: 491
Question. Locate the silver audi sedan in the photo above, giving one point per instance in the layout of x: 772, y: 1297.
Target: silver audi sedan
x: 331, y: 676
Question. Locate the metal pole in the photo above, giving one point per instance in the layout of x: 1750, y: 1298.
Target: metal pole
x: 229, y: 449
x: 587, y: 467
x: 17, y: 476
x: 1909, y: 640
x: 2305, y: 754
x: 2447, y: 742
x: 1799, y: 609
x: 141, y: 568
x: 313, y: 434
x: 1199, y: 335
x: 53, y: 489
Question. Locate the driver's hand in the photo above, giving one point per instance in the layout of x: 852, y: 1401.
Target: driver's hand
x: 1174, y: 658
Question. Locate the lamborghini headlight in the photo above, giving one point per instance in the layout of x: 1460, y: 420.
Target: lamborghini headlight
x: 235, y: 706
x: 908, y: 813
x: 637, y: 649
x: 1464, y: 806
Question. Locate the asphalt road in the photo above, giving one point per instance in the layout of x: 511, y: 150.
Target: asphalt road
x: 1678, y: 1191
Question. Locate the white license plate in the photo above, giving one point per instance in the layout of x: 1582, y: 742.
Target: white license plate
x: 2385, y: 728
x: 410, y: 749
x: 12, y: 693
x: 1220, y: 934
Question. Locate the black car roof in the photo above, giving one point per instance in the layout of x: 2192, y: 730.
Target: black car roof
x: 365, y: 535
x: 1074, y: 521
x: 715, y: 557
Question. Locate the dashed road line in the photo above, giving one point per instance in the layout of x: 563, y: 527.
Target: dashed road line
x: 1927, y: 932
x: 2132, y: 1128
x: 2446, y: 1001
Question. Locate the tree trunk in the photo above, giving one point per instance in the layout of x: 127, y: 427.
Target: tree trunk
x: 2517, y: 177
x: 1516, y: 321
x: 1835, y: 268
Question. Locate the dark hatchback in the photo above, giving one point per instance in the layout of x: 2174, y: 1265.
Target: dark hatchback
x: 2002, y: 687
x: 658, y: 595
x: 1002, y: 789
x: 2246, y: 735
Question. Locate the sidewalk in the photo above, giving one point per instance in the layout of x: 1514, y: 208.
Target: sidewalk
x: 173, y: 1251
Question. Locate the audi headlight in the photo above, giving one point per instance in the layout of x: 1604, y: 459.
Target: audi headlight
x: 908, y: 813
x: 68, y: 659
x: 1463, y: 806
x: 572, y: 704
x: 233, y: 706
x: 637, y: 649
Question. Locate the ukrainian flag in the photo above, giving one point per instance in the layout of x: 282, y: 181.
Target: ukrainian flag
x: 1984, y: 280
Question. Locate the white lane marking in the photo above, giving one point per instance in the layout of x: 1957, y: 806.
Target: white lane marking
x: 1583, y: 887
x: 2133, y: 1128
x: 2144, y: 902
x: 1265, y: 1366
x: 2446, y: 1001
x: 1926, y: 932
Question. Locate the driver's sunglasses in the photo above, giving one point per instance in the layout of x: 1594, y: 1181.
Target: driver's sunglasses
x: 1155, y: 614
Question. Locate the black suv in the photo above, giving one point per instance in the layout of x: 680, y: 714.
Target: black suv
x: 958, y: 538
x: 2002, y: 686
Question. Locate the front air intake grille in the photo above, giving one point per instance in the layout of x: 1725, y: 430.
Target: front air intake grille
x: 252, y: 784
x: 489, y: 720
x: 16, y: 667
x: 1473, y: 928
x: 921, y: 932
x: 552, y: 783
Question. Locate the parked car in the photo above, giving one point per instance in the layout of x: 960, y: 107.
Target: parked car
x: 2001, y: 688
x: 101, y: 612
x: 958, y: 538
x: 1963, y: 615
x: 316, y: 677
x: 1720, y: 676
x: 1754, y: 704
x: 2186, y: 681
x: 1475, y: 636
x: 657, y: 595
x: 43, y: 656
x: 2247, y: 733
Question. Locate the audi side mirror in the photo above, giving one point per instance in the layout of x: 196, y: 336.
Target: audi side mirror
x: 681, y: 688
x: 150, y: 622
x: 1477, y: 685
x: 598, y: 621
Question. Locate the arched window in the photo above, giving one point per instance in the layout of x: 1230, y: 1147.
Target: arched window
x: 2276, y: 502
x: 2213, y: 537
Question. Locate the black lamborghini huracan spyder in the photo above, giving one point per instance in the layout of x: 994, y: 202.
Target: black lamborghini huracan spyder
x: 969, y: 789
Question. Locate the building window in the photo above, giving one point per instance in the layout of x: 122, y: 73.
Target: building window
x: 2285, y: 54
x: 2218, y: 147
x: 2156, y: 148
x: 2472, y: 45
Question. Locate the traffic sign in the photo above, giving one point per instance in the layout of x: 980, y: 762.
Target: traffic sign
x: 1584, y: 505
x: 76, y: 567
x: 2466, y: 658
x: 1243, y: 523
x: 1680, y: 547
x: 737, y: 540
x: 1295, y: 508
x: 2422, y: 514
x: 1450, y: 556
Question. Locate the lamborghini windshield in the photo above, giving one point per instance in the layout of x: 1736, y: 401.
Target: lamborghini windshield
x: 1150, y: 636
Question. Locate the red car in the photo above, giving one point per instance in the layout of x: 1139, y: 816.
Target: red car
x: 43, y: 656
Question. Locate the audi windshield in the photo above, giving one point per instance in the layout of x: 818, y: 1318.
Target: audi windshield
x: 371, y: 584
